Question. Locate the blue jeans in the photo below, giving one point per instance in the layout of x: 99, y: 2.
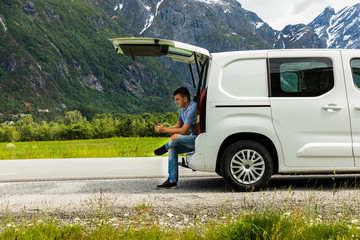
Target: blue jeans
x: 184, y: 144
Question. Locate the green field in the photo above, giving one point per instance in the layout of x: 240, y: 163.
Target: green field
x: 94, y: 148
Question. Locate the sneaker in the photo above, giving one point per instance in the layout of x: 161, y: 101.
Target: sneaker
x: 167, y: 185
x: 160, y: 151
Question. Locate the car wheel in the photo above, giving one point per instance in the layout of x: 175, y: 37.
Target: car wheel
x: 246, y: 166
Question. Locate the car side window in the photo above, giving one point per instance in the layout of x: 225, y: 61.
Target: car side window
x: 300, y: 77
x: 355, y: 66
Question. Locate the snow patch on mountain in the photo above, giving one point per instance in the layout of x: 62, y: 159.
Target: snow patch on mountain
x: 219, y: 2
x: 150, y: 21
x: 3, y: 23
x: 120, y: 6
x: 296, y: 37
x: 259, y: 25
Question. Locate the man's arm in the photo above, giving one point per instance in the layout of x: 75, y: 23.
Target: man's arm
x: 178, y: 124
x: 179, y: 128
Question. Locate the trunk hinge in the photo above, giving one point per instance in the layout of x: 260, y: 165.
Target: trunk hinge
x: 197, y: 66
x: 192, y: 76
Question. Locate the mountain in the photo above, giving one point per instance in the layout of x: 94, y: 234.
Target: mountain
x: 55, y: 57
x: 339, y: 30
x: 217, y: 25
x: 298, y: 36
x: 328, y: 30
x: 292, y: 36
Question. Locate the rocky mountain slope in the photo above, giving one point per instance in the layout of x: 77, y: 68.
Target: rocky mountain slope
x: 55, y: 57
x: 339, y: 30
x: 329, y: 29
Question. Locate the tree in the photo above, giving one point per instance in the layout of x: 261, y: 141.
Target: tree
x: 25, y: 128
x: 74, y: 117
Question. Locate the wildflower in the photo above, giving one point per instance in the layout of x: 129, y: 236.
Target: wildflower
x: 318, y: 220
x: 10, y: 145
x: 287, y: 213
x: 354, y: 221
x: 114, y: 221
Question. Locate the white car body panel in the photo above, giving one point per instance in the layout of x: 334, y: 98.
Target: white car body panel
x: 353, y: 94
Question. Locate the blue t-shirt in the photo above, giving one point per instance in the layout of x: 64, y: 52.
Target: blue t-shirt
x: 188, y: 116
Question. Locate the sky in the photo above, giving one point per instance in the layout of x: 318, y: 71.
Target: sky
x: 279, y: 13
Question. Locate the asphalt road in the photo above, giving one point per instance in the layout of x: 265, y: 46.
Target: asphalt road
x: 86, y: 169
x: 75, y: 187
x: 76, y: 176
x: 130, y: 175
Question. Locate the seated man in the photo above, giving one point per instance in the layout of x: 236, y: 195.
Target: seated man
x: 179, y: 141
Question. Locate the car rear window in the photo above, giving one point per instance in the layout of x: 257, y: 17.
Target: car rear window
x: 300, y: 77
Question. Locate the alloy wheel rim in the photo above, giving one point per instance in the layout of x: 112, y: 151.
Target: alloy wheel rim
x: 247, y: 166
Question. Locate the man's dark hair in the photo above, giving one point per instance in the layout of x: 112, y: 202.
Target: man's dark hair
x: 183, y: 92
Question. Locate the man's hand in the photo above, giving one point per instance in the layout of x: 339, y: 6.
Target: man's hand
x: 179, y: 128
x: 159, y: 128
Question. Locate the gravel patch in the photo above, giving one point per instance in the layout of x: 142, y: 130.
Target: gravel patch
x: 171, y: 209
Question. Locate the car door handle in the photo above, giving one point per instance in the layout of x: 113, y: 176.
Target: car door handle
x: 357, y: 107
x: 332, y: 107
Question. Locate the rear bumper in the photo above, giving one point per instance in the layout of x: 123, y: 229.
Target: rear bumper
x: 201, y: 158
x: 196, y: 161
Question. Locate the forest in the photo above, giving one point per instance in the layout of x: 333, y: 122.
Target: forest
x: 75, y: 126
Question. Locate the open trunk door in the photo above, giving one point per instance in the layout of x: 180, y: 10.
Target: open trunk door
x: 153, y: 47
x: 179, y: 52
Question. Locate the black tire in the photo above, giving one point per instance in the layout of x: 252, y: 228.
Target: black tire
x: 246, y: 166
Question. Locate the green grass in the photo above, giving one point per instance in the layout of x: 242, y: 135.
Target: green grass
x: 277, y: 226
x: 247, y: 226
x: 112, y: 147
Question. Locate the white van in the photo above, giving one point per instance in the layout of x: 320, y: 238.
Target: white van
x: 268, y: 112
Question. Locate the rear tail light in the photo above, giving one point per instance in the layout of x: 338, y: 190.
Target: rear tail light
x: 201, y: 112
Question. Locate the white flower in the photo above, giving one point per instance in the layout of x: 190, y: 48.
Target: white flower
x: 113, y: 220
x: 10, y: 145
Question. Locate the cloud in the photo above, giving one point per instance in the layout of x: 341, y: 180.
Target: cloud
x: 302, y: 5
x: 279, y: 13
